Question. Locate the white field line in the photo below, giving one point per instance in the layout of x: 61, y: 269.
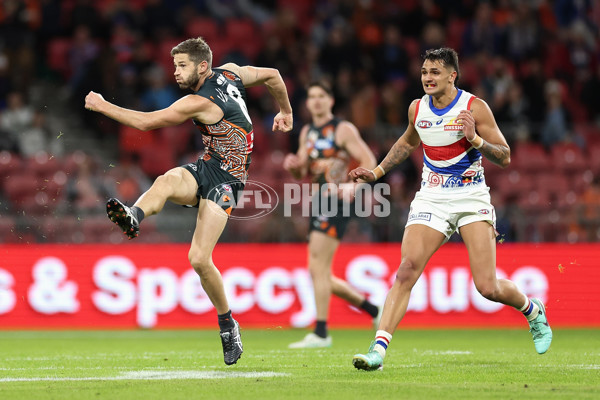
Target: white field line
x: 154, y: 375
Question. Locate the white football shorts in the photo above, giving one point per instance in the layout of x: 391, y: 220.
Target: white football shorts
x: 448, y: 212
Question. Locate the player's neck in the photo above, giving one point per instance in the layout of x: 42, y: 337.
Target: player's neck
x: 203, y: 78
x: 322, y: 119
x: 444, y: 99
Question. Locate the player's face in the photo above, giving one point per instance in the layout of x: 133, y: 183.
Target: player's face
x: 318, y: 102
x: 435, y: 77
x: 186, y: 72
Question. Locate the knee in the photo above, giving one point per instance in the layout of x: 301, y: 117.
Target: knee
x: 408, y: 273
x: 165, y: 181
x: 199, y: 262
x: 488, y: 289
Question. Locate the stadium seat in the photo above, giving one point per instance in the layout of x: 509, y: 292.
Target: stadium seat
x: 535, y: 202
x: 569, y: 158
x: 10, y: 163
x: 204, y: 27
x: 513, y: 185
x: 594, y: 159
x: 44, y: 165
x: 133, y: 141
x: 157, y: 159
x: 58, y: 55
x: 530, y: 157
x: 20, y: 186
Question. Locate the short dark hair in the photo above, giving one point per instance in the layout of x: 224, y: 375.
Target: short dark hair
x: 196, y: 48
x: 448, y: 57
x: 323, y: 84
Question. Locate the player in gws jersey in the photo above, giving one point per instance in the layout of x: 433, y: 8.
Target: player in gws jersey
x: 327, y: 146
x: 217, y: 106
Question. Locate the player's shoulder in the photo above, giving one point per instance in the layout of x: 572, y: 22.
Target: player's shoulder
x: 230, y: 71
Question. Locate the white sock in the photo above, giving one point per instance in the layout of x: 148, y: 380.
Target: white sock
x: 382, y: 340
x: 530, y: 310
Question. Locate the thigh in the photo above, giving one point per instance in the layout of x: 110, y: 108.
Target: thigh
x: 210, y: 222
x: 419, y: 243
x: 321, y: 246
x: 480, y: 239
x: 185, y: 186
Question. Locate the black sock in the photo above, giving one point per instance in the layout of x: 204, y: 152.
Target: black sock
x: 226, y: 321
x: 321, y: 329
x: 138, y: 212
x: 369, y: 307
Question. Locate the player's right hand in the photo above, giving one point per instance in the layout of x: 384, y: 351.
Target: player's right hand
x: 93, y: 101
x: 283, y: 122
x: 291, y: 162
x: 363, y: 174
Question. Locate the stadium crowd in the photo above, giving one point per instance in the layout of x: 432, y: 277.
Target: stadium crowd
x: 536, y: 63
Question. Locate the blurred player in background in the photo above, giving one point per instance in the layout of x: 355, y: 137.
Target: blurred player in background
x: 456, y: 129
x: 327, y: 145
x: 217, y: 106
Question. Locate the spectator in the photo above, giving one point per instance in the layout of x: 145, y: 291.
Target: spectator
x: 17, y: 118
x: 556, y: 126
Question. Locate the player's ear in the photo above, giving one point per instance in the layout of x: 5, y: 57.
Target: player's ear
x: 202, y: 67
x: 452, y: 78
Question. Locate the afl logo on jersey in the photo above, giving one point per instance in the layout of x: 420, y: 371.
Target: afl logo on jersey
x: 424, y: 124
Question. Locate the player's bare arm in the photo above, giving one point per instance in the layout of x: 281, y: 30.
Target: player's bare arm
x: 349, y: 138
x: 480, y: 121
x: 297, y: 164
x: 270, y: 77
x: 399, y: 152
x: 187, y: 107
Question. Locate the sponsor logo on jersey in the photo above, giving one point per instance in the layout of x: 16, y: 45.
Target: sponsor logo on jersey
x: 453, y: 126
x: 226, y: 187
x: 424, y: 124
x: 440, y: 121
x: 484, y: 211
x: 229, y: 75
x: 424, y: 216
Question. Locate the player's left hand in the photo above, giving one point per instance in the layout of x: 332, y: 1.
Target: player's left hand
x: 465, y: 117
x: 283, y: 122
x: 363, y: 174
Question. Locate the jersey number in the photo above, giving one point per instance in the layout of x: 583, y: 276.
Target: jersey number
x: 235, y: 94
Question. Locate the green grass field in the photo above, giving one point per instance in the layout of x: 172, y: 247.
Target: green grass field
x: 421, y: 364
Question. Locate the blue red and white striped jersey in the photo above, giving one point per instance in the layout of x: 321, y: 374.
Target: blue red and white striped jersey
x: 449, y: 160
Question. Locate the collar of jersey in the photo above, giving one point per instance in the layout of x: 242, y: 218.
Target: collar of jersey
x: 442, y: 111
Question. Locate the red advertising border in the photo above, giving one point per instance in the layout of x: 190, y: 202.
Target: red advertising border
x: 101, y: 286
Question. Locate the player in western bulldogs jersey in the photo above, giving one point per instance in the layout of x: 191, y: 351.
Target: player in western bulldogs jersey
x: 217, y: 106
x: 456, y: 130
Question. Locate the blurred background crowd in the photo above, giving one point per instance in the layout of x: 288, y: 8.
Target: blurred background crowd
x: 536, y: 63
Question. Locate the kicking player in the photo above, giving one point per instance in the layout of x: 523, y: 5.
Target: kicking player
x: 456, y: 130
x: 217, y: 106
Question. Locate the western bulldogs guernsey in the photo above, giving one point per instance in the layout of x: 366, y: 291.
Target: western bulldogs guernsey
x: 450, y: 162
x: 231, y: 139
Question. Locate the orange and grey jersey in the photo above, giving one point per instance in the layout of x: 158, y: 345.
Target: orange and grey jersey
x: 328, y: 163
x: 231, y: 139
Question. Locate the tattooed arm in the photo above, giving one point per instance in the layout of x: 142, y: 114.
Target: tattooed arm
x: 397, y: 154
x: 480, y: 129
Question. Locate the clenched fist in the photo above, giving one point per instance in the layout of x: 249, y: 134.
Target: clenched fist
x: 93, y: 101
